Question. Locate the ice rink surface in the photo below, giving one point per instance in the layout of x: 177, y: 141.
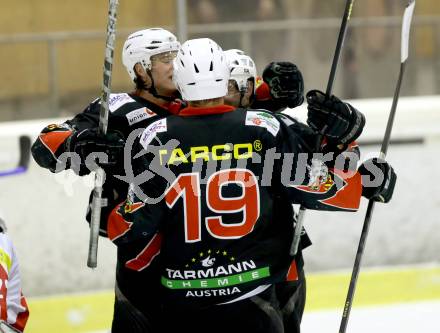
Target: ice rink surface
x: 402, y: 318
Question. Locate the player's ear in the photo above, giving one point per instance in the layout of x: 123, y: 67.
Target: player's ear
x: 142, y: 75
x: 139, y: 70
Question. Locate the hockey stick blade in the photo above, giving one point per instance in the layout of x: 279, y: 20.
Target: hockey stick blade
x: 23, y: 163
x: 407, y: 17
x: 406, y: 27
x: 98, y: 202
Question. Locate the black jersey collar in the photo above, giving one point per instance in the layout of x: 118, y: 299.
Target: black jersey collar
x: 204, y: 111
x: 157, y: 109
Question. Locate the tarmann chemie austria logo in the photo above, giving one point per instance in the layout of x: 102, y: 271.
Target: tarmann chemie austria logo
x: 213, y: 273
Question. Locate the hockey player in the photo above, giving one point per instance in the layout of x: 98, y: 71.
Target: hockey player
x: 221, y: 250
x: 281, y: 86
x: 147, y: 55
x: 247, y: 90
x: 14, y: 311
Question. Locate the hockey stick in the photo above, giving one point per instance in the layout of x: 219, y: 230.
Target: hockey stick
x: 23, y: 163
x: 331, y: 79
x: 97, y: 201
x: 406, y: 25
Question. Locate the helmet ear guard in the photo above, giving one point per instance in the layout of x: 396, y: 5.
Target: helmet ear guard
x: 200, y: 70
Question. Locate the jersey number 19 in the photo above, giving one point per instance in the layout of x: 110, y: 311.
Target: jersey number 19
x: 187, y: 187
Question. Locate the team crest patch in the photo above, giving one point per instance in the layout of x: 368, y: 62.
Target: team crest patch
x: 117, y: 100
x: 318, y: 175
x: 131, y: 207
x: 151, y: 131
x: 263, y: 119
x: 138, y: 115
x: 52, y: 127
x: 320, y: 179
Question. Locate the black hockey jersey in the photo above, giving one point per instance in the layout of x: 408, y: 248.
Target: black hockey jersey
x: 204, y: 192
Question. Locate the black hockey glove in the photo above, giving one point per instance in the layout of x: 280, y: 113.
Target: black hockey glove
x: 340, y: 122
x: 89, y: 141
x: 372, y: 171
x: 285, y: 82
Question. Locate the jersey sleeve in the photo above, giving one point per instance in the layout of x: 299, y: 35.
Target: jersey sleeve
x: 133, y: 220
x: 51, y: 142
x: 137, y: 221
x: 314, y: 181
x: 139, y: 216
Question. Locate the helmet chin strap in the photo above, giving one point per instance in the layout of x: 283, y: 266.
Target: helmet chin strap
x: 152, y: 89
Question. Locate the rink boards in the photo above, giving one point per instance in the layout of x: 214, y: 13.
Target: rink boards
x: 378, y: 289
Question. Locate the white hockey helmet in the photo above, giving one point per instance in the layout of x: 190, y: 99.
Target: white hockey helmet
x: 141, y: 45
x: 200, y: 70
x: 242, y: 68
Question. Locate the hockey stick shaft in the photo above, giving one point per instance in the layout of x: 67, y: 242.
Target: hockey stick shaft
x: 339, y: 45
x: 331, y: 79
x: 23, y: 163
x: 385, y: 143
x: 97, y: 201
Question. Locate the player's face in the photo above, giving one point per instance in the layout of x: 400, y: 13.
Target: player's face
x: 162, y: 72
x: 233, y: 97
x: 246, y: 100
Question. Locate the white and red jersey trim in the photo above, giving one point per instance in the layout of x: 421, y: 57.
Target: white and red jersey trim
x: 13, y: 307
